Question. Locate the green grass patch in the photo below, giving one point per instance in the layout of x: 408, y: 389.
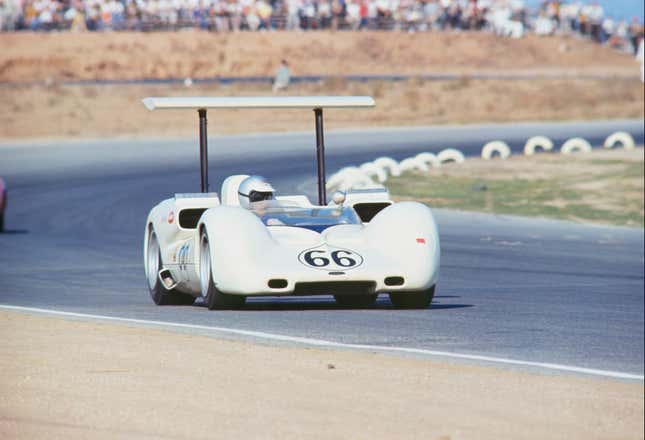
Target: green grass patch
x: 612, y: 196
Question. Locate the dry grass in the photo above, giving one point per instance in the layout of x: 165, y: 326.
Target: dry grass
x: 96, y: 111
x: 90, y: 111
x: 35, y: 57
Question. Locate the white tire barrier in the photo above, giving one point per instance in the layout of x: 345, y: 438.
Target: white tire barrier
x: 493, y: 147
x: 389, y: 165
x: 370, y: 170
x: 344, y: 175
x: 412, y: 164
x: 620, y: 137
x: 429, y: 159
x: 361, y: 177
x: 542, y: 142
x: 450, y: 155
x: 337, y: 178
x: 574, y: 145
x: 354, y: 178
x: 358, y: 180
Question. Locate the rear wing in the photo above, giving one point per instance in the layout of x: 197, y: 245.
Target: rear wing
x: 315, y: 103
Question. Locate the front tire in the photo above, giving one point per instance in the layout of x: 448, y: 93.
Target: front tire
x: 213, y: 298
x: 159, y: 294
x: 355, y: 301
x: 413, y: 300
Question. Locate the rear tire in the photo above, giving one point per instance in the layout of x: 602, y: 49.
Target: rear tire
x: 413, y: 300
x: 213, y: 298
x: 159, y: 294
x: 356, y: 301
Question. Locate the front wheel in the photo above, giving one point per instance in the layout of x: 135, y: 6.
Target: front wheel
x: 153, y: 264
x: 213, y: 298
x: 413, y: 300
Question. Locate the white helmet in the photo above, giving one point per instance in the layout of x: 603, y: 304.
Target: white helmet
x: 254, y: 189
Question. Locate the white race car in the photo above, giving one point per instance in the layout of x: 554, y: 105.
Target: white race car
x: 252, y: 242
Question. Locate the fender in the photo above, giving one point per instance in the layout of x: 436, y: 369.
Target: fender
x: 244, y: 243
x: 409, y: 230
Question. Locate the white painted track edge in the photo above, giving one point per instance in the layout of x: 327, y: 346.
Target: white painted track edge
x: 331, y: 344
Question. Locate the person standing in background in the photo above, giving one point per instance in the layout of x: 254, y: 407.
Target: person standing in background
x: 635, y: 33
x: 282, y: 77
x: 8, y: 15
x: 640, y: 56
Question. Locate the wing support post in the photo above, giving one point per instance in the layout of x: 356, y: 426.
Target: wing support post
x: 203, y: 149
x: 317, y: 103
x: 320, y: 156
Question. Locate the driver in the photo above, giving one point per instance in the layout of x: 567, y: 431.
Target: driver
x: 254, y: 189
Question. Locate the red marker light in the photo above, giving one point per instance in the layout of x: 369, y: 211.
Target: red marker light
x: 171, y: 217
x: 421, y: 240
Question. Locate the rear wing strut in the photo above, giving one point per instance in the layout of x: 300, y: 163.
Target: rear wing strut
x: 315, y: 103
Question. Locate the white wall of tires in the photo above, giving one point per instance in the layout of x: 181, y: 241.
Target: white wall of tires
x: 377, y: 172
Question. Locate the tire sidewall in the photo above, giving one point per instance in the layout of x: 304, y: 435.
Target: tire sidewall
x: 213, y: 298
x: 158, y: 292
x: 206, y: 287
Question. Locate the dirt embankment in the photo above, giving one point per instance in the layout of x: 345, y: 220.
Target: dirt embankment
x: 57, y: 111
x: 65, y: 379
x: 72, y: 56
x: 116, y: 111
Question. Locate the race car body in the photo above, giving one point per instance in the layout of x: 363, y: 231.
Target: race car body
x: 355, y: 247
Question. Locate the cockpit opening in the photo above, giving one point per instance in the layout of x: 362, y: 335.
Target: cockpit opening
x: 280, y: 213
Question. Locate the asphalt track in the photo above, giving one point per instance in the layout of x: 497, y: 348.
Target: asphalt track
x: 535, y: 290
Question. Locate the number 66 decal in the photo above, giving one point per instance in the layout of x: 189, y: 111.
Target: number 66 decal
x: 330, y: 258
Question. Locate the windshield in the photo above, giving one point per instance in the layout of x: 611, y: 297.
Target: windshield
x: 274, y: 213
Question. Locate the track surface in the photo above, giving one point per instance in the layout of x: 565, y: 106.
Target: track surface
x: 537, y: 290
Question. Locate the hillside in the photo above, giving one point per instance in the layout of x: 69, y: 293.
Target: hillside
x: 73, y: 56
x: 71, y: 111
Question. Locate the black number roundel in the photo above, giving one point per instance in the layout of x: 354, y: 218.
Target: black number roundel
x: 330, y: 258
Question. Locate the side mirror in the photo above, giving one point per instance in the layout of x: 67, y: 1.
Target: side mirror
x: 338, y: 198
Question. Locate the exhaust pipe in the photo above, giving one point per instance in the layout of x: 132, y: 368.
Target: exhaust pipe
x: 166, y: 279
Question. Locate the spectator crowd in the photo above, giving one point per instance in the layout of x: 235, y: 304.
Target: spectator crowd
x: 508, y: 17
